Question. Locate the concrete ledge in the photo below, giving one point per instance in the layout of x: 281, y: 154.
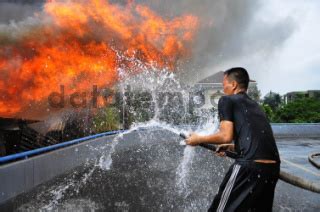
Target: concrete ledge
x: 296, y: 130
x: 21, y: 176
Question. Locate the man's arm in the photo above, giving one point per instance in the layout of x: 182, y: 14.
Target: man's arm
x: 223, y: 136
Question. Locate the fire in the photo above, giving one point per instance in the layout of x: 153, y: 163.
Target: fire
x: 84, y: 43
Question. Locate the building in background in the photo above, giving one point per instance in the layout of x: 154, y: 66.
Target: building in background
x: 291, y: 96
x: 212, y: 89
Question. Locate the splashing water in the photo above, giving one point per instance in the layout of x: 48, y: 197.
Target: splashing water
x: 183, y: 171
x: 188, y: 154
x: 57, y: 193
x: 105, y: 160
x: 154, y: 83
x: 163, y: 81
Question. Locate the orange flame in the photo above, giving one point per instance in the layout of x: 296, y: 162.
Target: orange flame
x: 84, y: 43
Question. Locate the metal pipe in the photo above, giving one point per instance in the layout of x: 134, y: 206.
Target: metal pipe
x: 27, y: 154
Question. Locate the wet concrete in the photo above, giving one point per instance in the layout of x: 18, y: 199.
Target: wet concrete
x: 294, y: 156
x: 152, y: 173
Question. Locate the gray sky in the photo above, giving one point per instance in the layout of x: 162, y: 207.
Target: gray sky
x: 290, y: 64
x: 296, y: 66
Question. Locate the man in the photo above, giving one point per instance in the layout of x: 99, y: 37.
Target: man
x: 250, y: 182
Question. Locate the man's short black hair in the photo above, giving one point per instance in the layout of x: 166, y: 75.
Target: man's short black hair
x: 240, y: 75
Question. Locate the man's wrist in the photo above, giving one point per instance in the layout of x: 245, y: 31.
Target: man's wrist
x: 203, y: 139
x: 198, y: 140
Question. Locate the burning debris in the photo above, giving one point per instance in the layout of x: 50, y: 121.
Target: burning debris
x: 79, y: 44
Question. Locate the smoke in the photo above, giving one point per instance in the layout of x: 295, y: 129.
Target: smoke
x: 232, y: 33
x: 18, y: 10
x: 19, y: 18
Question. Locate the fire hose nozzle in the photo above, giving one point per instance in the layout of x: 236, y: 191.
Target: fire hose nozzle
x: 182, y: 135
x: 212, y: 147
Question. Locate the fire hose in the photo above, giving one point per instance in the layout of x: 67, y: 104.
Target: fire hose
x: 313, y: 161
x: 284, y: 176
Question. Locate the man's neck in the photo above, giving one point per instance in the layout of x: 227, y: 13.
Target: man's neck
x: 239, y: 91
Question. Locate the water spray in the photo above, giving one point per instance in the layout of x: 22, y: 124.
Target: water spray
x: 212, y: 147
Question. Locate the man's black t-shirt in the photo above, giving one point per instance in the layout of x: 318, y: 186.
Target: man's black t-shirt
x: 253, y: 136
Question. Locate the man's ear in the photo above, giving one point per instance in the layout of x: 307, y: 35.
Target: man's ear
x: 234, y: 85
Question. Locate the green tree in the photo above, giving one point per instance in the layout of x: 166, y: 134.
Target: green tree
x: 269, y: 112
x: 106, y: 120
x: 254, y: 93
x: 301, y: 110
x: 273, y: 100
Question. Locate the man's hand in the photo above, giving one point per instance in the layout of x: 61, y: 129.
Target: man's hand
x: 193, y: 140
x: 220, y: 151
x: 223, y: 136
